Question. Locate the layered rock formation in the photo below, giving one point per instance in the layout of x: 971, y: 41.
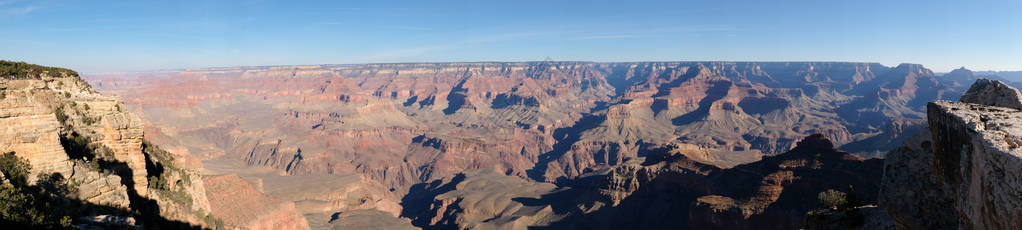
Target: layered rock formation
x: 65, y: 129
x: 967, y: 176
x: 584, y: 128
x: 402, y: 124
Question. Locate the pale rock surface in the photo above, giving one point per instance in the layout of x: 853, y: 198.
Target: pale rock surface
x: 100, y: 188
x: 29, y: 128
x: 978, y: 154
x: 993, y: 93
x: 965, y: 171
x: 38, y: 113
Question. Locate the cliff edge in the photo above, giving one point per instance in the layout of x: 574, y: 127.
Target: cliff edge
x: 968, y: 173
x: 84, y: 159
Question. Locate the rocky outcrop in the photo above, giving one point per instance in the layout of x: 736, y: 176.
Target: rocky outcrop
x: 64, y: 128
x: 910, y: 191
x: 30, y: 127
x: 39, y: 112
x: 101, y: 188
x: 993, y: 93
x: 967, y: 176
x: 977, y: 154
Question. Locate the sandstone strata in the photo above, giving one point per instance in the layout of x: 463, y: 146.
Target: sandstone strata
x: 60, y: 125
x: 33, y: 131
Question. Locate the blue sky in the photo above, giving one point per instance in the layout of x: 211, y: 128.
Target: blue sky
x: 103, y: 36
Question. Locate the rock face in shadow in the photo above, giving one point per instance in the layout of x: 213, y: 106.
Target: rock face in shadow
x: 968, y: 176
x: 665, y: 190
x: 910, y: 191
x: 776, y: 192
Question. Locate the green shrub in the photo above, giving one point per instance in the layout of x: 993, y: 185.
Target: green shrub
x: 22, y: 70
x: 833, y: 199
x: 15, y: 169
x: 31, y: 207
x: 94, y: 165
x: 212, y: 220
x: 90, y: 120
x: 61, y: 116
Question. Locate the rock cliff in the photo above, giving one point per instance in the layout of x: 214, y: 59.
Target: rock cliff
x: 66, y: 131
x: 965, y: 173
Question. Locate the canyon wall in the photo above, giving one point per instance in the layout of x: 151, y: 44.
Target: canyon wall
x: 403, y: 124
x: 69, y: 133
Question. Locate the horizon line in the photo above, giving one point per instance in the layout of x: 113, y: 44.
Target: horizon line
x: 485, y: 62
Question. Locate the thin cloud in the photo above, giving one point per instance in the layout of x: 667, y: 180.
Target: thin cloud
x: 659, y: 32
x: 502, y: 37
x: 21, y: 10
x: 409, y: 52
x: 612, y: 36
x: 61, y: 30
x: 413, y: 28
x: 9, y: 2
x: 418, y: 51
x: 349, y: 9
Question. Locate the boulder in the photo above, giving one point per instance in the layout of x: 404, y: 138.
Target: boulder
x: 993, y: 93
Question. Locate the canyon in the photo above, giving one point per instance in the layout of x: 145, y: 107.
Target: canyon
x: 397, y: 127
x: 402, y: 124
x: 577, y: 145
